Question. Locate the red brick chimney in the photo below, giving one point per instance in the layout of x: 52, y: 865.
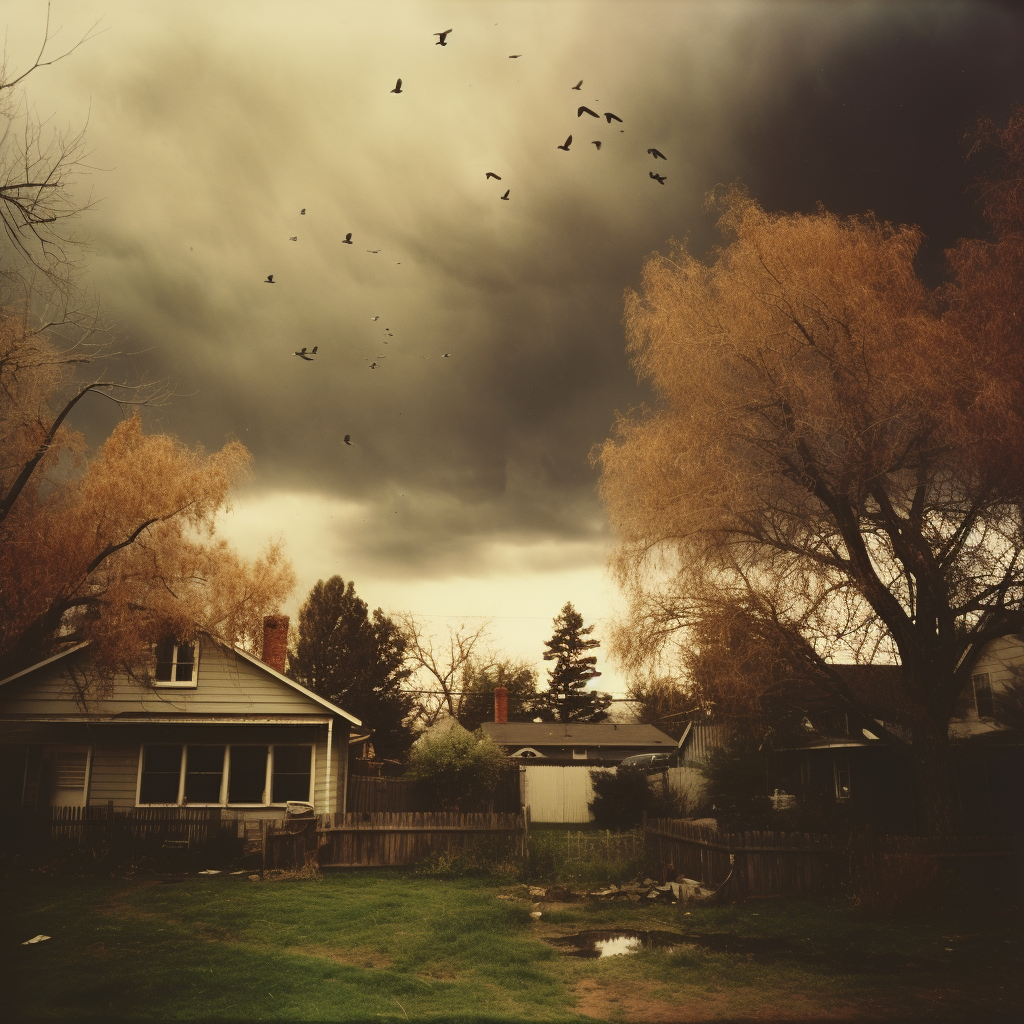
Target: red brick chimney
x: 275, y: 641
x: 500, y: 705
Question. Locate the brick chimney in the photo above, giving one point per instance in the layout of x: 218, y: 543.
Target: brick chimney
x: 500, y: 705
x: 275, y: 641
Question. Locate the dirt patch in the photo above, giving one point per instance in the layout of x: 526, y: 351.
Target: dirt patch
x: 610, y: 1001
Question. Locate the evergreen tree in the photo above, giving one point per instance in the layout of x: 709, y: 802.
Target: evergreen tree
x: 567, y: 699
x: 355, y: 661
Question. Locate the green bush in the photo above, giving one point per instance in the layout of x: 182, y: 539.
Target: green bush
x: 624, y: 794
x: 459, y: 770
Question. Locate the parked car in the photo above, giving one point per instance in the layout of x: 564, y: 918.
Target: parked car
x: 647, y: 761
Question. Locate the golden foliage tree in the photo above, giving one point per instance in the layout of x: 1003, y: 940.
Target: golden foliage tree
x: 836, y: 452
x: 118, y: 546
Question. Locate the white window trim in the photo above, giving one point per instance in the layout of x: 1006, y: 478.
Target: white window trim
x: 527, y: 751
x: 268, y: 780
x: 180, y: 684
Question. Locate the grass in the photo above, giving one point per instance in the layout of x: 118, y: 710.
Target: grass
x: 382, y: 945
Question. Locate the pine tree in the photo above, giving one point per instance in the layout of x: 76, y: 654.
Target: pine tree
x: 567, y: 699
x: 356, y: 661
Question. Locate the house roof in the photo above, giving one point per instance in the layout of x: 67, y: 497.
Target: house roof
x: 332, y: 708
x: 580, y: 734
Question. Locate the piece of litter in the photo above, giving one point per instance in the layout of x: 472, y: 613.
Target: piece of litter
x: 687, y: 914
x: 238, y: 872
x: 535, y: 914
x: 39, y: 938
x: 208, y: 871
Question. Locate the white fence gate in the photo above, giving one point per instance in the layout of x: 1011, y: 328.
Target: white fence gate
x: 557, y: 792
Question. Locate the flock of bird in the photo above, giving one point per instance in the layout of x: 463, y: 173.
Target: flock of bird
x: 308, y: 355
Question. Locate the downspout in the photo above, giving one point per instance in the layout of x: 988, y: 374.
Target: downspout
x: 327, y: 782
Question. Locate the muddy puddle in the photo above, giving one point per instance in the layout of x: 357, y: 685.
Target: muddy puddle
x: 603, y: 942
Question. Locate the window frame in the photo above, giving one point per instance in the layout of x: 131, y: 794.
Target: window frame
x: 985, y: 679
x: 841, y: 771
x: 268, y: 785
x: 179, y: 684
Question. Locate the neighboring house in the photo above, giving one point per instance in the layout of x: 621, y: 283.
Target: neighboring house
x: 583, y: 741
x: 832, y: 766
x: 214, y: 726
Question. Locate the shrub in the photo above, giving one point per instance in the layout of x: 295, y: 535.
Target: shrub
x: 622, y: 796
x: 459, y: 770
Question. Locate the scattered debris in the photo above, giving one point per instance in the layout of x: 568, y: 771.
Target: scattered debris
x: 535, y: 914
x: 208, y: 871
x: 44, y: 938
x: 237, y: 872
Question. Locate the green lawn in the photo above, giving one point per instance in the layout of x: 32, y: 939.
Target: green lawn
x: 382, y: 945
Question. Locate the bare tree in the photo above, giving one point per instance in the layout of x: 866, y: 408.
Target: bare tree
x: 443, y: 667
x: 835, y: 449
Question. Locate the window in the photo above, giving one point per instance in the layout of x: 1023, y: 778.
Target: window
x: 218, y: 774
x: 579, y: 754
x: 982, y: 694
x: 175, y: 663
x: 291, y: 773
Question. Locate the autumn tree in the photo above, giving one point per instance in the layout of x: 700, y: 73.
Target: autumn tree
x: 116, y: 546
x: 567, y: 698
x: 479, y: 683
x: 662, y: 701
x: 835, y: 449
x: 356, y: 660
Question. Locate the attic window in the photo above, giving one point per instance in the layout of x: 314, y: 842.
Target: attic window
x: 175, y: 663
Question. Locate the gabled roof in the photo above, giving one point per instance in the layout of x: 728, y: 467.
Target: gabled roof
x: 332, y: 708
x: 580, y: 734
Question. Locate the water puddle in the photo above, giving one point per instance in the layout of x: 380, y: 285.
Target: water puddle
x: 603, y: 942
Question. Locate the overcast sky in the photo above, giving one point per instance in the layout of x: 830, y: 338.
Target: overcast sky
x: 467, y: 491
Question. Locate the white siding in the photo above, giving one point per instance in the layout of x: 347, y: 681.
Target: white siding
x: 227, y: 684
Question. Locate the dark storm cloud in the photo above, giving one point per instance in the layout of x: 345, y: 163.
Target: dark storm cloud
x: 221, y: 126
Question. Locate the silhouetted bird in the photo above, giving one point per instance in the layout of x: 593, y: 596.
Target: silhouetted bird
x: 302, y: 212
x: 347, y: 240
x: 373, y: 366
x: 596, y: 142
x: 447, y: 355
x: 302, y: 354
x: 612, y: 117
x: 568, y: 143
x: 491, y: 174
x: 513, y: 56
x: 270, y: 279
x: 578, y: 84
x: 505, y: 196
x: 348, y: 439
x: 659, y: 178
x: 444, y: 35
x: 398, y: 86
x: 374, y: 317
x: 586, y: 110
x: 657, y: 154
x: 294, y: 238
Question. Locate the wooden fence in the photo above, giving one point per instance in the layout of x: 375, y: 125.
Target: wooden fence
x: 40, y: 833
x: 389, y: 794
x: 380, y: 839
x: 775, y: 863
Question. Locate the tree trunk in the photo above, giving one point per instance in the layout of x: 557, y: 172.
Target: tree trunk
x: 936, y: 784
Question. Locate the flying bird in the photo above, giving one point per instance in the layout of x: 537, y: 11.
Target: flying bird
x: 447, y: 355
x: 444, y: 35
x: 302, y: 354
x: 398, y: 86
x: 513, y: 56
x: 373, y: 366
x: 374, y: 317
x: 270, y: 279
x: 347, y: 240
x: 491, y: 174
x: 612, y: 117
x: 373, y: 250
x: 659, y: 178
x: 505, y: 196
x: 568, y: 143
x: 657, y: 154
x: 302, y: 212
x: 578, y: 84
x: 294, y: 238
x: 586, y: 110
x: 348, y: 439
x: 596, y: 142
